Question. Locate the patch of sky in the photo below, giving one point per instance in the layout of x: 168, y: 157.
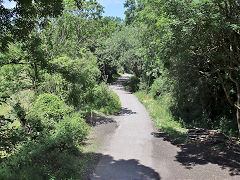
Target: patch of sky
x: 113, y: 8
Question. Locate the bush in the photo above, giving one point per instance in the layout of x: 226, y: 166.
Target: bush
x: 75, y: 78
x: 159, y: 87
x: 53, y: 155
x: 105, y: 100
x: 50, y: 106
x: 228, y: 126
x: 71, y: 130
x: 42, y: 160
x: 133, y: 84
x: 47, y: 110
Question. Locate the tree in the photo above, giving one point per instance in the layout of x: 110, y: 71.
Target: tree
x: 18, y: 22
x: 195, y: 44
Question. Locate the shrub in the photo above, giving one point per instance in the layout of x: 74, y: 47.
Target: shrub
x: 71, y: 130
x: 105, y: 100
x: 47, y: 110
x: 42, y: 160
x: 228, y: 126
x: 50, y: 106
x: 75, y: 78
x: 133, y: 84
x: 159, y: 87
x: 53, y: 155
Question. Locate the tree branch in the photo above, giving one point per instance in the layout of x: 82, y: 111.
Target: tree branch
x: 224, y: 88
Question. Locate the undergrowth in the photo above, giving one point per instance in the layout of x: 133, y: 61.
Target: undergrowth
x: 52, y: 138
x: 105, y: 100
x: 161, y: 115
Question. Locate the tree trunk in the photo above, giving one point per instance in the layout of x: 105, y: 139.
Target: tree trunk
x: 238, y: 110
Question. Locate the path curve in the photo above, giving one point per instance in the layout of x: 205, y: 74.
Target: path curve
x: 132, y: 153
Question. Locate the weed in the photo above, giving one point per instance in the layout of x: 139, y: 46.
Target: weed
x: 161, y: 115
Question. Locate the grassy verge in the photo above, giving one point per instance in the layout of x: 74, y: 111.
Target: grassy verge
x: 161, y: 115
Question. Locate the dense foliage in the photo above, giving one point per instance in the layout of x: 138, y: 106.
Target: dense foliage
x: 188, y: 49
x: 191, y: 50
x: 50, y: 73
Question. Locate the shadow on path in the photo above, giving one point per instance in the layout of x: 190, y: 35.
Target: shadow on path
x: 126, y: 111
x: 110, y: 169
x: 121, y: 81
x: 191, y: 155
x: 101, y: 119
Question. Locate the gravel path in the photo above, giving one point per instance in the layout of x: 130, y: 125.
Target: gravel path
x: 129, y: 151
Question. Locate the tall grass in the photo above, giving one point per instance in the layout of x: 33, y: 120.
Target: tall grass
x: 161, y: 115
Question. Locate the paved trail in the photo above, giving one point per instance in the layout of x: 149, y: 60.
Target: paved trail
x: 129, y: 151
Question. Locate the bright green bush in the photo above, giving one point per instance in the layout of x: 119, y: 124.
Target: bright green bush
x: 46, y: 111
x: 71, y: 130
x: 50, y: 106
x: 74, y: 78
x: 105, y: 100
